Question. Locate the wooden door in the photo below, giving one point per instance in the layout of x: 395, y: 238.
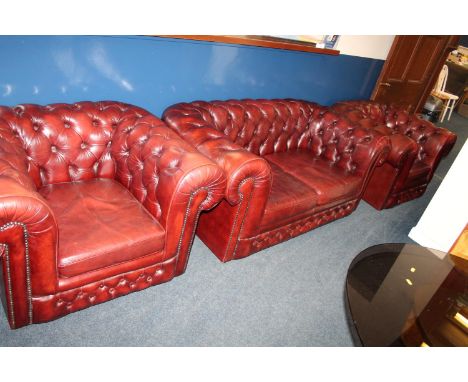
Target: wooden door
x: 411, y: 69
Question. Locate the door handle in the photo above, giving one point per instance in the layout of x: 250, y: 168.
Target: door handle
x: 385, y: 84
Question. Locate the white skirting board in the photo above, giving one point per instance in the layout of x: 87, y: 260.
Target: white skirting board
x: 447, y: 213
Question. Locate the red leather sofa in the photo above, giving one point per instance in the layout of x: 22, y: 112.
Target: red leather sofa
x: 417, y: 148
x: 290, y: 166
x: 97, y: 200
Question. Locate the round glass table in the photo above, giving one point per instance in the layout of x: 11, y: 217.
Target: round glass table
x: 408, y: 295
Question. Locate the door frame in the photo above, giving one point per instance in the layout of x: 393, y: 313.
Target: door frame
x: 451, y: 44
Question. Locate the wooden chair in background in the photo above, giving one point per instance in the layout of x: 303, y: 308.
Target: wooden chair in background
x: 439, y: 91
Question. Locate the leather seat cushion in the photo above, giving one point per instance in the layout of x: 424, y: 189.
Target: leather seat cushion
x: 100, y: 224
x: 288, y: 199
x: 418, y: 175
x: 330, y: 183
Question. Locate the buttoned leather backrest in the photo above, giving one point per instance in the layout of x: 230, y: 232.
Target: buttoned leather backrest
x: 261, y: 126
x: 70, y: 142
x: 398, y: 120
x: 420, y: 130
x: 273, y: 126
x: 342, y: 143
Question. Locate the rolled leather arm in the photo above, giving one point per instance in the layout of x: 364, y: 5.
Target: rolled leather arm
x: 450, y: 142
x: 248, y: 175
x: 437, y: 145
x: 170, y: 178
x: 28, y: 238
x: 151, y: 159
x: 238, y: 164
x: 188, y: 184
x: 403, y: 149
x: 433, y: 142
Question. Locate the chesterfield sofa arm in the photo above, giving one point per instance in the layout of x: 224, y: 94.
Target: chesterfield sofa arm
x: 248, y: 177
x: 403, y: 149
x: 433, y: 142
x: 237, y: 162
x: 28, y: 236
x: 187, y: 184
x: 408, y: 170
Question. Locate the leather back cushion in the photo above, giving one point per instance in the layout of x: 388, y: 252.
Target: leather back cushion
x: 394, y: 117
x: 70, y: 142
x: 262, y: 126
x: 341, y: 143
x: 418, y: 129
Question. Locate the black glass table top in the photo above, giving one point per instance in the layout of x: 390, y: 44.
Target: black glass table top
x: 408, y: 295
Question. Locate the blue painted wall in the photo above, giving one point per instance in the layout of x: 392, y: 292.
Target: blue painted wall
x: 157, y: 72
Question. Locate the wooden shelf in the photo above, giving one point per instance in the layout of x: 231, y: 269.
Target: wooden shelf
x: 261, y: 41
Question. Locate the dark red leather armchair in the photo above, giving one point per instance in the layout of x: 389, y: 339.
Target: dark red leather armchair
x: 97, y: 200
x: 418, y: 143
x: 290, y: 165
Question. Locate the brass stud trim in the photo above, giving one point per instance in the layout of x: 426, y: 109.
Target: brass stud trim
x: 243, y: 218
x: 236, y: 218
x: 187, y: 211
x: 10, y: 291
x: 28, y: 268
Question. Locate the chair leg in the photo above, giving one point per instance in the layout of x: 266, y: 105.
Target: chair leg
x: 451, y: 109
x: 444, y: 110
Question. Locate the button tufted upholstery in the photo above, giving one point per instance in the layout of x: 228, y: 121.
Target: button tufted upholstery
x: 92, y: 196
x: 286, y: 161
x: 417, y: 148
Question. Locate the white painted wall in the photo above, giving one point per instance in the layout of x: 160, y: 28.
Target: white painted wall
x: 447, y: 213
x: 365, y: 46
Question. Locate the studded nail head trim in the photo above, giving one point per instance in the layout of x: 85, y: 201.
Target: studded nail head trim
x: 28, y: 271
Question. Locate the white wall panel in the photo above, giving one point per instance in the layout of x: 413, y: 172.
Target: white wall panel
x: 365, y: 46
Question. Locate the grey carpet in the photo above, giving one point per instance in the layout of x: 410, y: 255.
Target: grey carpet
x: 288, y: 295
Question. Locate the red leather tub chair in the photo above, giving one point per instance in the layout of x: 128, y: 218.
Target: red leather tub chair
x: 290, y: 165
x: 417, y: 143
x: 97, y: 200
